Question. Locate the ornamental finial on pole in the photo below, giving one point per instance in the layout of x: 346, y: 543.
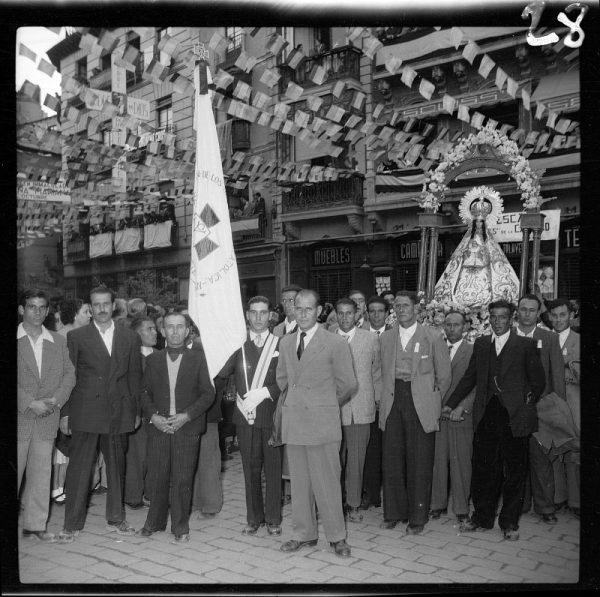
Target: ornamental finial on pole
x: 200, y: 51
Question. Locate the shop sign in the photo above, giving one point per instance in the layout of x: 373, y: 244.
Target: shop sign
x: 331, y: 256
x: 512, y: 248
x: 508, y: 228
x: 138, y: 108
x: 571, y: 237
x: 411, y: 250
x: 32, y: 190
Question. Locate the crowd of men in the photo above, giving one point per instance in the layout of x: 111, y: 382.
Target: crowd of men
x: 358, y: 406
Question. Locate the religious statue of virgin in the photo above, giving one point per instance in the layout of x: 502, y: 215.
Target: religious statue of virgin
x: 478, y: 271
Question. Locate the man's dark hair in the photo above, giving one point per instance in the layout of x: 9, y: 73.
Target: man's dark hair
x: 69, y: 309
x: 454, y: 312
x: 409, y: 295
x: 33, y: 293
x: 188, y: 320
x: 258, y: 299
x: 378, y: 300
x: 136, y: 322
x: 346, y: 301
x: 291, y: 288
x: 136, y: 306
x: 356, y: 291
x: 103, y: 289
x: 531, y: 297
x: 502, y: 304
x: 560, y: 302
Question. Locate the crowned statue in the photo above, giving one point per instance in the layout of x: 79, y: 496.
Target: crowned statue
x: 478, y: 271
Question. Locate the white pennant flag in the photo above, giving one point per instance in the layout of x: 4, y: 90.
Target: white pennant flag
x: 214, y: 280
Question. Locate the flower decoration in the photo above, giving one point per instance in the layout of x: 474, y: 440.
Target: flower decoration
x: 527, y: 180
x: 473, y: 205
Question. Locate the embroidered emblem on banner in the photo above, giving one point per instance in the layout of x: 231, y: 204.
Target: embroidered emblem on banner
x: 202, y: 225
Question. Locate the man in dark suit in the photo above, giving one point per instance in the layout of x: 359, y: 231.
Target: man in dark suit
x: 378, y: 310
x: 289, y: 324
x: 102, y: 409
x: 176, y: 394
x: 254, y: 367
x: 541, y: 472
x: 45, y: 378
x: 454, y: 440
x: 316, y: 368
x: 135, y: 456
x: 509, y: 380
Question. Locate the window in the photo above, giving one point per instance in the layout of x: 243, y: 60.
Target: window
x: 164, y: 113
x: 162, y: 57
x: 235, y: 35
x: 81, y: 70
x: 284, y: 147
x: 105, y: 62
x: 331, y: 284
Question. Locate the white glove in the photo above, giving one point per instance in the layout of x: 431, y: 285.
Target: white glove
x: 254, y: 397
x: 248, y: 416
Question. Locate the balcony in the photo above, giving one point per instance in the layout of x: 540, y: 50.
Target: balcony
x: 341, y: 193
x: 250, y: 229
x: 339, y: 63
x: 137, y: 76
x: 101, y: 80
x: 77, y: 250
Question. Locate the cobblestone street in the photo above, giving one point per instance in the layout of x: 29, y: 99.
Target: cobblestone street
x: 218, y: 553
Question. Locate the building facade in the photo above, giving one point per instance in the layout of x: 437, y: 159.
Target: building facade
x: 331, y: 220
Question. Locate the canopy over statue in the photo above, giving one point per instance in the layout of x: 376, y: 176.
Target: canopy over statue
x: 478, y: 271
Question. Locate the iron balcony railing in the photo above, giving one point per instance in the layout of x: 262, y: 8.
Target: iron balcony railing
x: 339, y: 63
x: 334, y: 193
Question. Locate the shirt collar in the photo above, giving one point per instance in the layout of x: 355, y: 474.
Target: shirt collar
x: 46, y: 335
x: 380, y: 330
x: 562, y: 336
x: 110, y: 328
x: 349, y: 334
x: 501, y: 338
x: 522, y: 333
x: 455, y: 344
x: 310, y: 333
x: 407, y: 331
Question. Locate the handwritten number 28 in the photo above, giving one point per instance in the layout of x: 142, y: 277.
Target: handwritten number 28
x: 575, y: 36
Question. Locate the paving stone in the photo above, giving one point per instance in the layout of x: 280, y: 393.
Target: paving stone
x: 484, y: 562
x: 152, y: 568
x: 514, y: 560
x: 227, y: 576
x: 375, y: 569
x: 412, y: 566
x: 556, y: 574
x: 490, y: 574
x: 185, y: 578
x: 195, y: 566
x: 445, y: 563
x: 307, y: 575
x: 564, y: 553
x: 459, y: 577
x: 370, y: 556
x: 397, y: 552
x: 108, y: 571
x: 466, y: 549
x: 414, y: 577
x: 155, y: 555
x: 545, y: 558
x: 139, y: 579
x: 346, y: 571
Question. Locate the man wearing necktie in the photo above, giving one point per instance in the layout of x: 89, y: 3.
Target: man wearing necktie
x: 316, y: 368
x: 362, y: 317
x: 415, y: 370
x: 378, y: 310
x: 176, y: 394
x: 454, y: 440
x: 541, y: 473
x: 254, y: 367
x: 359, y: 412
x: 102, y: 409
x: 509, y: 379
x: 288, y: 325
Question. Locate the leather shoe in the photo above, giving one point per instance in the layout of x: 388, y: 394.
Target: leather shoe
x: 388, y: 524
x: 274, y: 529
x: 353, y: 514
x: 42, y: 536
x: 549, y: 518
x: 558, y: 507
x: 462, y: 518
x: 121, y: 528
x: 414, y: 529
x: 182, y: 538
x: 67, y: 536
x: 294, y: 545
x: 470, y: 525
x: 251, y: 529
x: 341, y: 548
x: 435, y: 514
x: 136, y: 505
x: 511, y: 534
x: 144, y: 532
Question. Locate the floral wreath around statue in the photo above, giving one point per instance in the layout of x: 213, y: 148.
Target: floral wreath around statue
x: 527, y: 180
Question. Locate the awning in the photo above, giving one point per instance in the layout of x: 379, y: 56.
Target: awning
x: 555, y: 86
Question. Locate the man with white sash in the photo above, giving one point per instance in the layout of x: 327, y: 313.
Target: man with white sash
x: 254, y: 366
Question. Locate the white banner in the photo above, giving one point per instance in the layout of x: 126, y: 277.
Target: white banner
x: 33, y: 190
x: 214, y: 302
x: 118, y: 76
x: 138, y: 108
x: 95, y: 99
x: 509, y: 230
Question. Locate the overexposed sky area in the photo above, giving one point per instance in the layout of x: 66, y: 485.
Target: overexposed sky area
x: 38, y: 40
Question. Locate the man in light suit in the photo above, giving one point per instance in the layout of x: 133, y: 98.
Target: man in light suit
x: 561, y: 316
x: 540, y: 463
x: 415, y: 370
x: 289, y: 324
x: 508, y: 376
x: 362, y: 317
x: 102, y: 409
x: 45, y: 378
x: 176, y: 395
x: 254, y: 367
x: 454, y: 440
x: 359, y: 412
x: 316, y: 368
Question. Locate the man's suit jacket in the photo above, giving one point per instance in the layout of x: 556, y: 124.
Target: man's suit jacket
x: 235, y: 366
x: 572, y: 359
x: 194, y: 393
x: 105, y: 398
x: 552, y: 361
x: 366, y: 359
x: 521, y: 372
x: 317, y: 385
x: 57, y: 379
x: 459, y: 364
x: 279, y: 329
x: 430, y: 379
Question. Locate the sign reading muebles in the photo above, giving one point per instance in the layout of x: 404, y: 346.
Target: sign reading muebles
x: 331, y: 256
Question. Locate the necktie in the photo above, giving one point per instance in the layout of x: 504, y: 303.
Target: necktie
x: 496, y: 346
x: 301, y: 345
x: 449, y: 348
x: 258, y: 340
